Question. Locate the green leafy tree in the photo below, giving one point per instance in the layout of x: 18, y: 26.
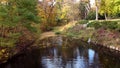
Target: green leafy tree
x: 19, y: 12
x: 15, y: 16
x: 116, y: 9
x: 109, y: 8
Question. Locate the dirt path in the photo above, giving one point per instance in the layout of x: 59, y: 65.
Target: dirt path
x: 47, y: 34
x: 65, y: 27
x: 60, y: 28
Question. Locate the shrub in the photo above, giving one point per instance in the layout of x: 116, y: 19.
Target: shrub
x: 95, y: 24
x: 83, y: 21
x: 118, y: 27
x: 109, y: 24
x: 105, y: 24
x: 91, y: 15
x: 57, y: 32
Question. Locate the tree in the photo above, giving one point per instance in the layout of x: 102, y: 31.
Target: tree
x: 109, y: 8
x: 97, y: 2
x: 116, y: 8
x: 19, y: 12
x: 15, y: 17
x: 84, y: 8
x: 47, y: 12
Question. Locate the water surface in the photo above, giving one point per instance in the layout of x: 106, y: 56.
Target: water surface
x: 76, y: 56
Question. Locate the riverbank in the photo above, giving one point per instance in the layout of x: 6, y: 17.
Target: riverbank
x: 14, y: 43
x: 100, y: 37
x: 105, y: 33
x: 76, y: 54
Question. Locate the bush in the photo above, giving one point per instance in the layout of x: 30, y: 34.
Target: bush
x: 83, y: 21
x: 95, y: 24
x: 91, y: 15
x: 118, y: 27
x: 104, y: 24
x: 57, y: 32
x: 109, y: 24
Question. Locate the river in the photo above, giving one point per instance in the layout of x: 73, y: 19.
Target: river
x: 76, y: 55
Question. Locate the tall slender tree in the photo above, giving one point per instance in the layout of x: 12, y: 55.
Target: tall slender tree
x: 96, y: 6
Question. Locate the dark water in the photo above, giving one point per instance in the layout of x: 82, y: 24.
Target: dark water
x: 76, y: 56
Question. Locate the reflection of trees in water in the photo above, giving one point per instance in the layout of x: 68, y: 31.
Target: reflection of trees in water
x: 72, y: 54
x: 106, y: 59
x: 61, y: 41
x: 29, y: 60
x: 70, y: 57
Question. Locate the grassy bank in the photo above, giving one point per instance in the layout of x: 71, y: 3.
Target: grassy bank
x: 100, y: 32
x: 14, y: 40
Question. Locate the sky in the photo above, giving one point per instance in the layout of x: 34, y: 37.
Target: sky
x: 92, y: 2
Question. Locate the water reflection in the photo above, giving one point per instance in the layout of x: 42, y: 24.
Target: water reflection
x: 74, y: 56
x: 91, y: 56
x: 70, y: 58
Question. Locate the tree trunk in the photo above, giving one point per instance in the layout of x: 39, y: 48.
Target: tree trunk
x: 96, y: 13
x: 105, y: 16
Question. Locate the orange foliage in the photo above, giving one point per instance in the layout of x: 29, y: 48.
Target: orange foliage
x: 47, y: 13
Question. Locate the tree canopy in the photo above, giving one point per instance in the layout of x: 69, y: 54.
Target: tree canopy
x: 109, y: 7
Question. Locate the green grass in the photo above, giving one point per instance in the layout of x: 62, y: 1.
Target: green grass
x: 7, y: 42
